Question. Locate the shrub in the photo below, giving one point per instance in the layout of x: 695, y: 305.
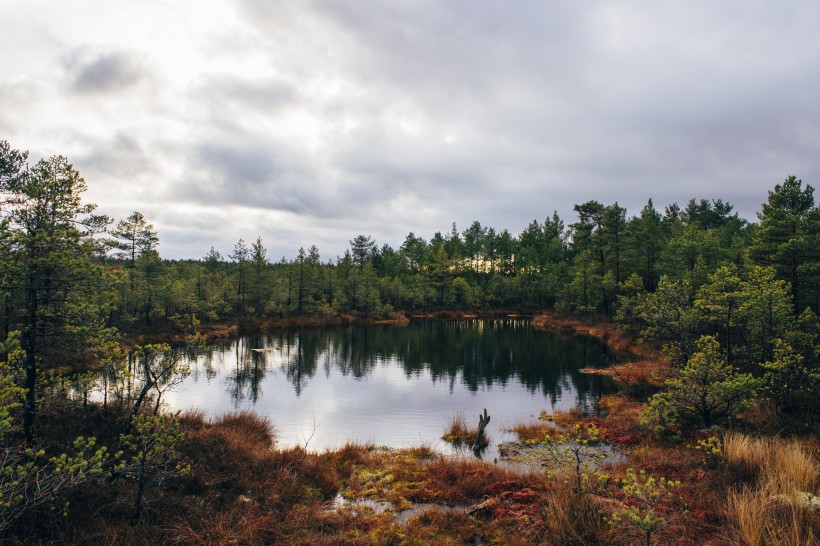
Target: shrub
x: 708, y: 389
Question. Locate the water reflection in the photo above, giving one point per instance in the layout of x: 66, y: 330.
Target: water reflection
x: 382, y: 379
x: 476, y: 353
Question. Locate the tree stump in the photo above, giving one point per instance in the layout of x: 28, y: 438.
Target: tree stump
x: 478, y: 443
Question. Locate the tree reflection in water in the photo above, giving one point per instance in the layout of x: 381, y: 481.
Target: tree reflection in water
x: 476, y: 353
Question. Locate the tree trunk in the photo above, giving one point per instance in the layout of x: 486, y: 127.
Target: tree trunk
x: 30, y: 346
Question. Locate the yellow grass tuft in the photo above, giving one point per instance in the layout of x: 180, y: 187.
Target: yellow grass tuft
x: 458, y: 431
x: 745, y: 510
x: 773, y: 510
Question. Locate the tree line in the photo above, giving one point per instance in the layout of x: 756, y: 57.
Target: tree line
x: 585, y: 267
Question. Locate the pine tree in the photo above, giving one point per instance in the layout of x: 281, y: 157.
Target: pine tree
x: 50, y: 238
x: 789, y: 240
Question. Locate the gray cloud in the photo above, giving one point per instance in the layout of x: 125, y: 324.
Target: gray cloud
x: 314, y: 121
x: 104, y: 72
x: 122, y: 156
x: 265, y: 96
x: 249, y: 175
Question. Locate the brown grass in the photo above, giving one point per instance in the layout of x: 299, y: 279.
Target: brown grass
x: 530, y: 432
x: 673, y: 463
x: 245, y: 490
x: 746, y: 454
x: 745, y: 509
x: 192, y: 419
x: 242, y: 523
x: 651, y: 372
x: 568, y: 519
x: 620, y: 424
x: 458, y: 431
x: 757, y: 518
x: 403, y: 477
x: 781, y: 466
x: 564, y: 418
x: 247, y: 428
x: 770, y: 509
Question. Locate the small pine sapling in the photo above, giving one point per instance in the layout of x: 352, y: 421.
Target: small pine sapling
x: 578, y: 452
x: 151, y: 454
x: 642, y: 507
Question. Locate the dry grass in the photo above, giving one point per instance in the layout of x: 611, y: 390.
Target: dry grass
x: 771, y: 510
x: 745, y: 454
x: 759, y: 518
x: 245, y: 490
x: 745, y: 509
x: 620, y: 424
x: 652, y: 372
x: 407, y: 476
x: 532, y: 432
x: 246, y: 427
x: 780, y: 466
x: 192, y: 419
x: 242, y: 523
x: 458, y: 431
x: 564, y: 418
x: 569, y: 519
x: 791, y: 469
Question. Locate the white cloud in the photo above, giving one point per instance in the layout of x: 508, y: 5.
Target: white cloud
x: 311, y: 122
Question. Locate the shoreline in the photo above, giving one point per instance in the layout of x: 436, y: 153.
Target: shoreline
x: 226, y: 329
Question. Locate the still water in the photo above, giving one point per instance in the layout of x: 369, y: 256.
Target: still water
x: 395, y: 385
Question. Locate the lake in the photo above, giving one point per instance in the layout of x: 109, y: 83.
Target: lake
x: 395, y: 385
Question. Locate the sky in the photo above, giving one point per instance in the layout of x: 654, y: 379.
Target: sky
x: 310, y: 122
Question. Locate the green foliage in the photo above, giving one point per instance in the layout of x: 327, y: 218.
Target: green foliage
x: 48, y: 249
x: 28, y: 479
x: 690, y: 255
x: 766, y: 314
x: 661, y: 416
x: 150, y: 454
x: 10, y: 392
x: 674, y: 278
x: 789, y: 378
x: 133, y: 237
x: 643, y: 497
x: 717, y: 304
x: 668, y: 315
x: 712, y: 451
x: 708, y: 389
x: 789, y: 239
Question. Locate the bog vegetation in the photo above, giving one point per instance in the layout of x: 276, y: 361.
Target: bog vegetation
x: 721, y: 432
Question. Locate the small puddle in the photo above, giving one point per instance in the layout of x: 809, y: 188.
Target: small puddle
x: 377, y: 507
x: 402, y: 516
x: 538, y: 456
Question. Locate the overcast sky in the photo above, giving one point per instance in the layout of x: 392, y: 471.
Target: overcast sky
x: 309, y: 122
